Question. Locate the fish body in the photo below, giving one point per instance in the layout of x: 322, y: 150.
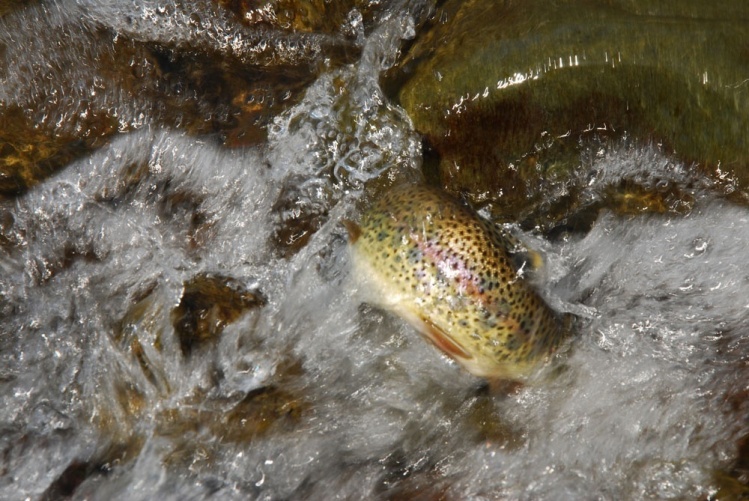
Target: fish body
x: 455, y: 277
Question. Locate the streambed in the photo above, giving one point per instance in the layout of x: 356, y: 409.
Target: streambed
x: 179, y: 320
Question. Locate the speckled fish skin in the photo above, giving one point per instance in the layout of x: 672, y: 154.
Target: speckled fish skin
x: 452, y: 275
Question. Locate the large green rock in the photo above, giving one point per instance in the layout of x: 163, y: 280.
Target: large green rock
x: 509, y: 93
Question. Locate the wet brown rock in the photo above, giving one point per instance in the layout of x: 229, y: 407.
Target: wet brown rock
x: 63, y: 108
x: 80, y: 470
x: 73, y: 476
x: 423, y: 486
x: 491, y: 428
x: 209, y: 303
x: 200, y: 426
x: 300, y: 211
x: 308, y: 16
x: 235, y: 94
x: 632, y: 198
x: 258, y: 412
x: 102, y: 82
x: 734, y: 483
x: 203, y: 93
x: 139, y: 334
x: 216, y: 94
x: 29, y: 154
x: 508, y: 94
x: 123, y: 439
x: 42, y: 132
x: 7, y: 6
x: 198, y: 435
x: 275, y: 408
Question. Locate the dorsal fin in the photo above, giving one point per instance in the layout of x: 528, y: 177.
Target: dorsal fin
x: 523, y: 257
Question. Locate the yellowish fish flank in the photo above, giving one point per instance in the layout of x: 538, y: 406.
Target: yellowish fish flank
x: 452, y: 275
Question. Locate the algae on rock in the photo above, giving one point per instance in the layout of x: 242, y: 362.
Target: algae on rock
x: 509, y: 94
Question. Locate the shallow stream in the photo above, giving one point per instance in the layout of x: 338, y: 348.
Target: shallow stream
x: 302, y: 391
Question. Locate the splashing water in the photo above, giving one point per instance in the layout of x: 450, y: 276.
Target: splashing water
x: 313, y: 393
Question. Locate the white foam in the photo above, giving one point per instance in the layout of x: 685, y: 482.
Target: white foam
x: 643, y: 405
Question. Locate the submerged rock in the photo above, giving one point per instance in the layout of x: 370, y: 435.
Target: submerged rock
x: 194, y: 68
x: 11, y: 5
x: 346, y: 17
x: 208, y: 304
x: 734, y: 483
x: 201, y: 428
x: 199, y: 424
x: 508, y: 94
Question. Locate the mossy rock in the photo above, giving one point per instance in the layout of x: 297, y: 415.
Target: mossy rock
x: 509, y: 94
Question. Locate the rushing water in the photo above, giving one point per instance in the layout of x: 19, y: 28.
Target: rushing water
x: 99, y: 400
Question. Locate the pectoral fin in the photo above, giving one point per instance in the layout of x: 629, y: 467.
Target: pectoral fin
x: 354, y: 230
x: 444, y: 341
